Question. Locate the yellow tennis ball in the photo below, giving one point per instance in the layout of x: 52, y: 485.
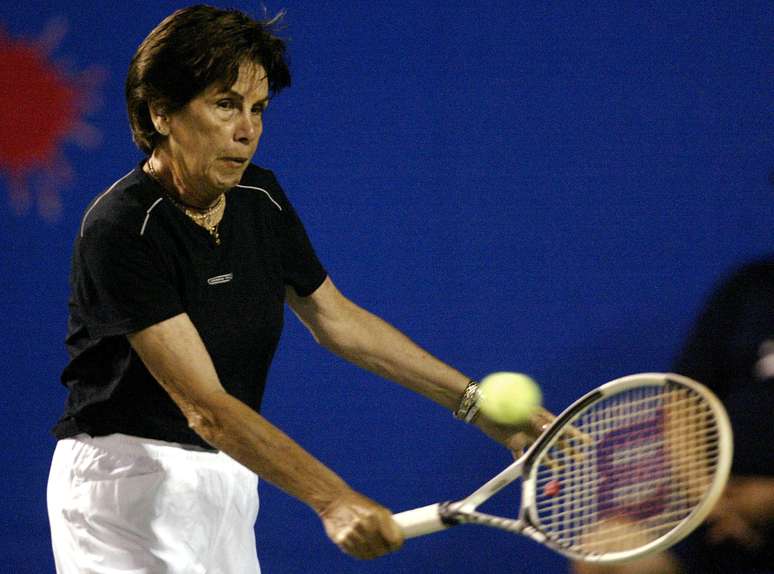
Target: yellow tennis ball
x: 509, y: 398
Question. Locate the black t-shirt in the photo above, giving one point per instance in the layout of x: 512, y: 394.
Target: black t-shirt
x: 139, y: 260
x: 723, y: 352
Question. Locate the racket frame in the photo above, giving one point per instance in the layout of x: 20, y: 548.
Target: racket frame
x: 440, y: 516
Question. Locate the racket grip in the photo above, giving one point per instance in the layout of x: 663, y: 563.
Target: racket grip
x: 420, y: 521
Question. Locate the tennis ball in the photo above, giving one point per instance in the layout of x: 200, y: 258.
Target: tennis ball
x: 509, y: 398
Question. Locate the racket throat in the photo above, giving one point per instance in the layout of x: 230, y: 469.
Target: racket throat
x: 536, y: 535
x: 450, y: 513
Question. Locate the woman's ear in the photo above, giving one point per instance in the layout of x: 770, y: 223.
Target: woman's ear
x: 159, y: 118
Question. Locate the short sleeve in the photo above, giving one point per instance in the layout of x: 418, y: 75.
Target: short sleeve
x: 300, y: 265
x: 119, y: 284
x: 704, y: 356
x: 722, y: 348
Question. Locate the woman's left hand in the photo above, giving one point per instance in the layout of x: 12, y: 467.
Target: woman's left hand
x: 519, y: 437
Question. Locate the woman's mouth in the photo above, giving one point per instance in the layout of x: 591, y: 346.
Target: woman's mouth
x: 234, y: 162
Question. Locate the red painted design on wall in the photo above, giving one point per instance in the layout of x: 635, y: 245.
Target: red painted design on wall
x: 44, y: 107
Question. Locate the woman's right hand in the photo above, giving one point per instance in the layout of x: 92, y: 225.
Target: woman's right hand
x: 361, y: 527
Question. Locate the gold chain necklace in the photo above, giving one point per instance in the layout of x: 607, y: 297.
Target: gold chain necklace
x: 203, y: 219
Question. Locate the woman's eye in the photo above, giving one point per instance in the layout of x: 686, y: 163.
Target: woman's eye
x: 226, y: 104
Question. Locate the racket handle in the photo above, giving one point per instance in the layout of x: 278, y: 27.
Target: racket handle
x: 420, y: 521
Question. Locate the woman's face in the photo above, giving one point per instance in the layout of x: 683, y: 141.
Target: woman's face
x: 212, y: 139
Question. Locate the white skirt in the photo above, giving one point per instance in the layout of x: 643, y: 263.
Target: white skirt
x: 124, y: 504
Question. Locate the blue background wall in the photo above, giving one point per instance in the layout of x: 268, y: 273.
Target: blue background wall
x: 523, y: 186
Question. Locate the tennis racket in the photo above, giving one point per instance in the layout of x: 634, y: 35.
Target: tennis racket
x: 627, y: 470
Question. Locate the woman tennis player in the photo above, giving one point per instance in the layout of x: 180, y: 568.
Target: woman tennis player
x: 181, y: 270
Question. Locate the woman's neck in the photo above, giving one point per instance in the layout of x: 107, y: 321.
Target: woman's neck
x: 164, y: 174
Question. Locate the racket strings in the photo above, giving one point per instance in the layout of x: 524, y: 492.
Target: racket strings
x: 634, y: 467
x: 631, y: 456
x: 562, y: 507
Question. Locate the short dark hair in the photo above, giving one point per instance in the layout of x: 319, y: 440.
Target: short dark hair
x: 192, y: 49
